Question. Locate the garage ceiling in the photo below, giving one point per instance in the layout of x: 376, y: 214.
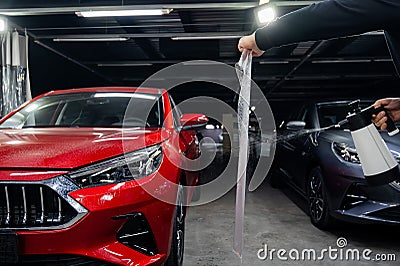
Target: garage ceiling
x: 357, y: 66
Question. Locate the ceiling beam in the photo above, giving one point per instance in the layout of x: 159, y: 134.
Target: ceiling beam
x: 159, y: 25
x: 260, y: 78
x: 304, y: 59
x: 212, y: 35
x: 149, y: 49
x: 144, y: 44
x: 73, y: 9
x: 336, y: 45
x: 186, y: 20
x: 51, y: 49
x: 68, y: 10
x: 235, y: 34
x: 261, y: 61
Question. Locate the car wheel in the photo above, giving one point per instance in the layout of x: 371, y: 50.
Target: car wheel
x: 318, y: 201
x: 178, y: 234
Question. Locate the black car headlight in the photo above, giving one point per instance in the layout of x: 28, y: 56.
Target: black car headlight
x: 346, y: 153
x: 396, y: 155
x: 123, y: 168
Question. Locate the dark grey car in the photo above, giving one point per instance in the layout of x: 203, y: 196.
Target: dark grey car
x: 324, y: 167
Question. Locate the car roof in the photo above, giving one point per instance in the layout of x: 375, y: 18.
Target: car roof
x: 342, y: 102
x: 108, y: 89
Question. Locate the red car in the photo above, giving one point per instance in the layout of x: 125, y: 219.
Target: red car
x: 95, y: 176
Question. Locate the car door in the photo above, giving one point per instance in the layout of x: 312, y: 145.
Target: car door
x: 188, y: 144
x: 295, y: 148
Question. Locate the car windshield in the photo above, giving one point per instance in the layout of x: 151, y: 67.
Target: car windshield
x: 333, y: 113
x: 91, y: 109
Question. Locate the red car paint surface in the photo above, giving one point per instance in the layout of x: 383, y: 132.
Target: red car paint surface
x: 30, y: 148
x: 37, y: 154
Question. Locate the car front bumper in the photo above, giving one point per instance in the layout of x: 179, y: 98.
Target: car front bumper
x: 353, y: 199
x: 95, y: 234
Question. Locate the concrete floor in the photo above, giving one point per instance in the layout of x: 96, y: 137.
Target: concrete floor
x: 276, y: 218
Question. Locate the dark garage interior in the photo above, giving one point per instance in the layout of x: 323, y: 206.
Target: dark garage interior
x: 67, y: 51
x: 342, y: 68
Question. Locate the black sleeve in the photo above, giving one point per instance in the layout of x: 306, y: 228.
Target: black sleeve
x: 330, y: 19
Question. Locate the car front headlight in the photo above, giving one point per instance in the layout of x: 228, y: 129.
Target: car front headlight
x: 346, y: 153
x: 396, y: 155
x: 130, y: 166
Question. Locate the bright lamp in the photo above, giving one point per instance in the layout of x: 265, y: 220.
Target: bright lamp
x: 2, y: 25
x: 266, y: 14
x: 122, y: 13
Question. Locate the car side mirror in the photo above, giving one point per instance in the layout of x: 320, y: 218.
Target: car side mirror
x: 295, y: 125
x: 193, y: 121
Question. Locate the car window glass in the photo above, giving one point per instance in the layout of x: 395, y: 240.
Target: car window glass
x: 308, y: 119
x: 297, y: 115
x: 89, y: 110
x: 303, y: 115
x: 176, y: 113
x: 45, y: 115
x: 332, y: 113
x: 70, y: 112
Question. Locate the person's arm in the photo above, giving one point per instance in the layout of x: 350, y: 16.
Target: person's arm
x: 392, y: 107
x: 325, y: 20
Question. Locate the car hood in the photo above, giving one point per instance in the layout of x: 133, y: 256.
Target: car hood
x: 60, y: 148
x: 345, y: 136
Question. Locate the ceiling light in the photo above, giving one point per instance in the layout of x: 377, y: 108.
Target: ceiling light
x: 263, y: 2
x: 122, y: 13
x: 383, y: 60
x: 272, y: 62
x: 2, y: 25
x: 120, y: 39
x: 266, y: 14
x: 211, y: 37
x: 333, y: 61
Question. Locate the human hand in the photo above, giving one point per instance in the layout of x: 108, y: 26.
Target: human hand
x: 249, y: 42
x: 392, y: 108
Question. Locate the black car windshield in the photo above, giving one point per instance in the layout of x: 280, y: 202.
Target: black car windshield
x: 90, y: 109
x: 332, y: 113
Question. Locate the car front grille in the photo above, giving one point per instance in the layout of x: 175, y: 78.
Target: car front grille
x: 390, y: 214
x: 32, y: 206
x: 136, y: 234
x: 354, y: 196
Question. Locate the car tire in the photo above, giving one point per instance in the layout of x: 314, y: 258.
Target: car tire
x: 318, y: 205
x: 175, y: 257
